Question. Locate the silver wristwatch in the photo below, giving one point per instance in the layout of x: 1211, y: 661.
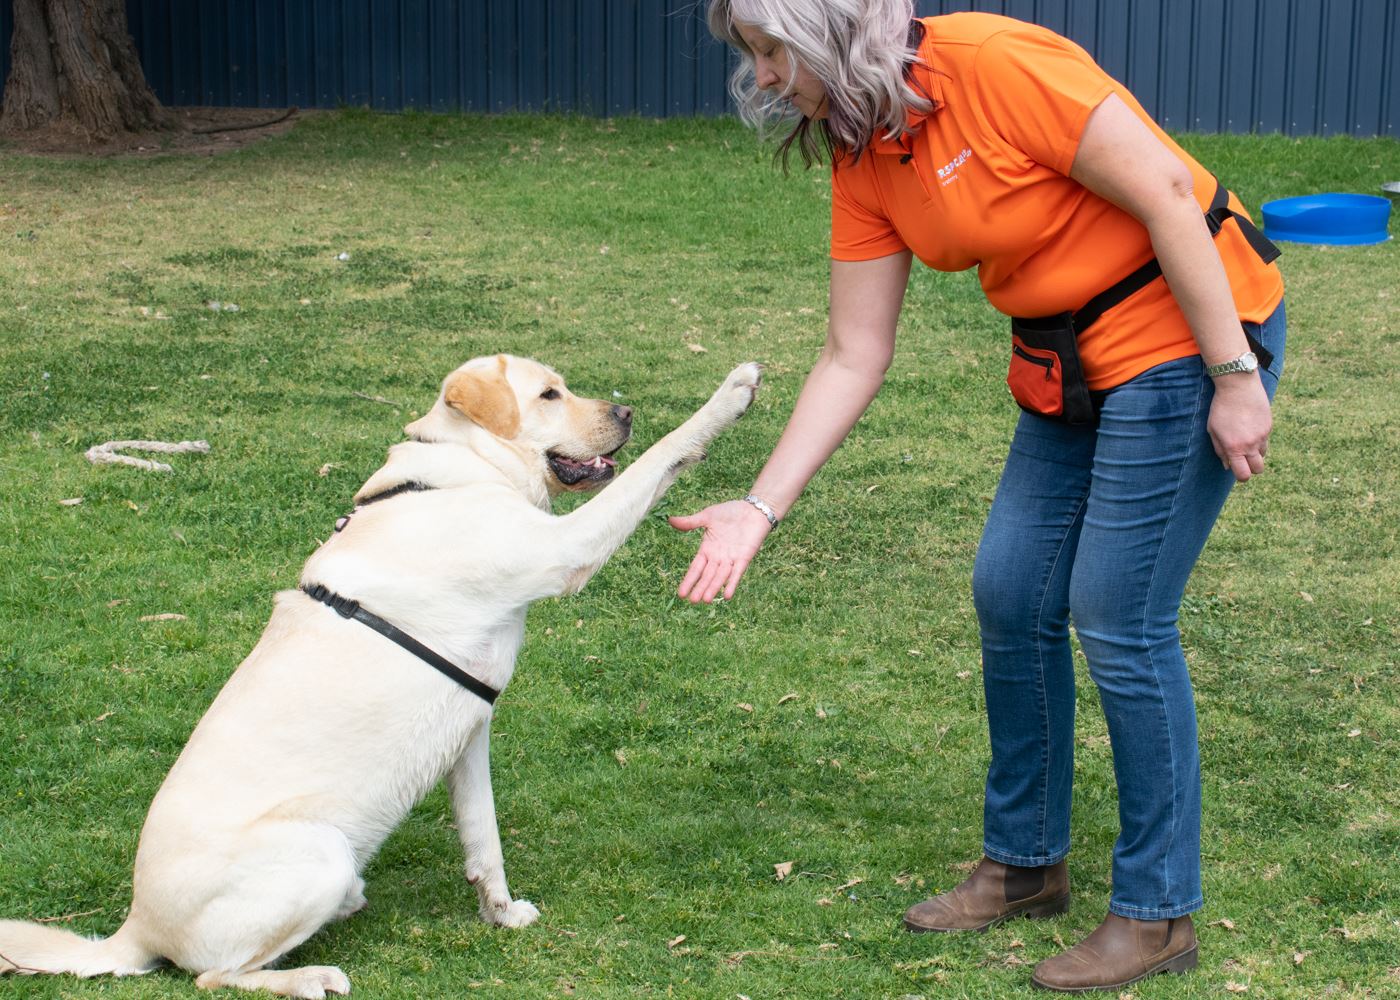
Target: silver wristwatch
x: 1246, y: 362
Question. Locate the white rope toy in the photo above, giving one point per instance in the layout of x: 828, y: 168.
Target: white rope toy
x: 106, y: 454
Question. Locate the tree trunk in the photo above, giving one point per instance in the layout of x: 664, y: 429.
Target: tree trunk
x: 73, y: 61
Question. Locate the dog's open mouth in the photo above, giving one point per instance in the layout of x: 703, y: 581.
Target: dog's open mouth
x: 582, y: 471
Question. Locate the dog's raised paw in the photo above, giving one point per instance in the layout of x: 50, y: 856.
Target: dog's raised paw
x: 737, y: 393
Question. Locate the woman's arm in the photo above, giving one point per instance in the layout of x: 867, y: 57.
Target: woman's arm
x: 1122, y: 161
x: 865, y: 303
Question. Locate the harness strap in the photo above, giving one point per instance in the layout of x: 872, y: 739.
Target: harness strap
x: 1215, y: 217
x: 412, y: 486
x: 347, y: 608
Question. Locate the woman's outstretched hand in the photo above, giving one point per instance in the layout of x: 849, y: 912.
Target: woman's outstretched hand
x: 734, y: 532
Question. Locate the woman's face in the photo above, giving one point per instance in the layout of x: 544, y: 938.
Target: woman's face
x: 772, y: 69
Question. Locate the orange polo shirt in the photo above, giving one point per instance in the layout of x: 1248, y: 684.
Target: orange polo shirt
x: 985, y: 184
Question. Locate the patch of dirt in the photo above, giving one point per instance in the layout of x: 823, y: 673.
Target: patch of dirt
x: 201, y: 132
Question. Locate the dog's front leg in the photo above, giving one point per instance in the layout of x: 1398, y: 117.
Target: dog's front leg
x: 469, y: 782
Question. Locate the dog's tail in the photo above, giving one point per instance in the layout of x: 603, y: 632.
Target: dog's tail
x: 27, y: 949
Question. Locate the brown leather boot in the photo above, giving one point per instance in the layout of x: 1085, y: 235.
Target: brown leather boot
x: 1118, y: 952
x: 991, y: 894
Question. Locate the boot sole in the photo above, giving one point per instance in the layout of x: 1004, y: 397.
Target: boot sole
x: 1038, y: 911
x: 1184, y: 962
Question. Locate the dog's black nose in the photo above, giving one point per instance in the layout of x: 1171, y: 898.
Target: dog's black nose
x: 623, y: 415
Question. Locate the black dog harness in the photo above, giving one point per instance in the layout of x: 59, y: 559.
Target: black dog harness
x: 348, y: 608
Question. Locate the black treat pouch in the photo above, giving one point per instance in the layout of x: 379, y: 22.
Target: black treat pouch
x: 1045, y: 376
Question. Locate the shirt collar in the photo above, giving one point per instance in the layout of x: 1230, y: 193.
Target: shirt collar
x: 926, y: 82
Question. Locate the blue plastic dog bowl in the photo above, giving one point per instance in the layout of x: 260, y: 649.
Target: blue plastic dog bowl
x: 1334, y: 219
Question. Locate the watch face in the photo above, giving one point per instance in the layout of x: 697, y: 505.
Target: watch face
x: 1248, y: 362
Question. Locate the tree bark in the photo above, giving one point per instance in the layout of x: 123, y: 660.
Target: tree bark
x: 73, y: 61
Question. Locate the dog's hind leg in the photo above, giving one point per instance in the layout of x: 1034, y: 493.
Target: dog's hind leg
x: 313, y: 981
x: 469, y: 782
x: 288, y: 879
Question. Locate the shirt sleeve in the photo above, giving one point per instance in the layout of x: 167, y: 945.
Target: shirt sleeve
x: 859, y: 229
x: 1036, y: 90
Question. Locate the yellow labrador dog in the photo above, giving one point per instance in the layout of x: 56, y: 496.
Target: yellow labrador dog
x: 375, y: 679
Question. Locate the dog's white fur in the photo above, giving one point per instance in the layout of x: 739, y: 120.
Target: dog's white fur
x: 328, y: 733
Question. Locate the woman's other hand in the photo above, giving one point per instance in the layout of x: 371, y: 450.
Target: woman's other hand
x: 1239, y: 424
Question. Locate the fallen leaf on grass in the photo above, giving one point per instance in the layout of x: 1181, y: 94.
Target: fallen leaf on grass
x: 70, y: 502
x: 744, y: 706
x: 825, y: 902
x: 696, y: 349
x: 675, y: 941
x: 827, y: 946
x: 852, y: 882
x: 325, y: 470
x: 964, y: 674
x: 787, y: 698
x: 1309, y: 598
x: 620, y: 756
x: 782, y: 870
x: 118, y: 602
x: 1298, y: 957
x: 1225, y: 922
x: 169, y: 616
x: 1234, y: 987
x: 104, y: 717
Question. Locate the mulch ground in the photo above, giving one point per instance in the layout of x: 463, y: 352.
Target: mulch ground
x: 199, y: 131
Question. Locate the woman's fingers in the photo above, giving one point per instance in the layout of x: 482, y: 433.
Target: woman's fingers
x: 734, y: 531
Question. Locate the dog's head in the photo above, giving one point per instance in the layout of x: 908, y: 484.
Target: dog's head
x: 526, y: 406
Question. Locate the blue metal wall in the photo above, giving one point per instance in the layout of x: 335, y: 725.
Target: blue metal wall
x: 1294, y: 66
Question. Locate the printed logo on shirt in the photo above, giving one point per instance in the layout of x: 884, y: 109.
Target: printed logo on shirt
x: 949, y: 173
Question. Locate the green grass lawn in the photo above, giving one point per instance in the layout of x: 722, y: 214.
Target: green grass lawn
x: 654, y: 761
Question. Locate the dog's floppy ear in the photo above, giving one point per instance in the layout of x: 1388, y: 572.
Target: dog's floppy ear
x: 486, y: 399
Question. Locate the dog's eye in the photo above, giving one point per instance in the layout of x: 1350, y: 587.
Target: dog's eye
x: 550, y: 394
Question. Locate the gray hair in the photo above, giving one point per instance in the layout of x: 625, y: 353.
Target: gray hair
x: 859, y: 49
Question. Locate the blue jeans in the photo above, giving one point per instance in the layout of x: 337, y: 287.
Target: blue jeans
x: 1102, y: 526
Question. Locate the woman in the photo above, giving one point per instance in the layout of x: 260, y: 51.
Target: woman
x: 973, y: 139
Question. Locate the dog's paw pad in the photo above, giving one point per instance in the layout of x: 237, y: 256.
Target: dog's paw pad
x: 737, y: 393
x: 748, y: 376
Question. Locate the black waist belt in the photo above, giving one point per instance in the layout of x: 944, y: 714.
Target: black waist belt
x: 347, y: 608
x: 1216, y: 215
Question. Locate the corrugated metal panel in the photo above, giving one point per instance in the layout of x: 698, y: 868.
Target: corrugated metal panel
x: 1292, y: 66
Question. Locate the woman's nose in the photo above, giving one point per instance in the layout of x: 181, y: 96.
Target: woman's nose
x: 764, y: 75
